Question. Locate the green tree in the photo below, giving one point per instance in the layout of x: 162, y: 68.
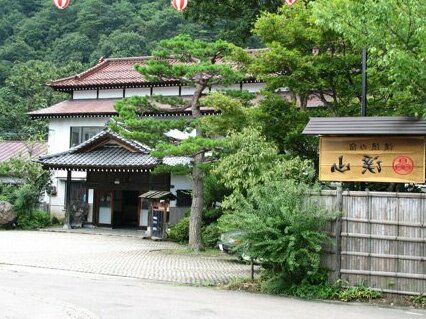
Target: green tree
x: 306, y: 59
x: 394, y: 34
x: 268, y: 204
x: 249, y: 159
x: 25, y: 90
x: 234, y: 18
x: 72, y: 47
x: 120, y: 44
x: 194, y: 63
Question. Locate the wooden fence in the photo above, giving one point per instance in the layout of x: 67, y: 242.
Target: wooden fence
x: 380, y: 241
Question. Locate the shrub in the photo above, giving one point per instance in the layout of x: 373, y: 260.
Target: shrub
x: 26, y: 199
x: 283, y: 230
x: 210, y: 235
x: 180, y: 231
x: 357, y: 293
x: 35, y: 220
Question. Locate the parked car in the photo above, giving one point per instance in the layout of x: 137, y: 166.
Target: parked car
x: 229, y: 241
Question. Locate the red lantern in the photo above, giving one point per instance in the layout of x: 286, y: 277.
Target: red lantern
x: 61, y: 4
x: 290, y: 2
x: 179, y: 5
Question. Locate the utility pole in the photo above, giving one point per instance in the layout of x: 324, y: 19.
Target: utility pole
x: 364, y: 83
x: 364, y: 92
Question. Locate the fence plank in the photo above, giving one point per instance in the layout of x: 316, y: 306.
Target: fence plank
x: 382, y: 242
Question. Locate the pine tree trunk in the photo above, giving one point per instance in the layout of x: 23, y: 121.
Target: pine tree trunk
x: 195, y: 242
x: 197, y: 205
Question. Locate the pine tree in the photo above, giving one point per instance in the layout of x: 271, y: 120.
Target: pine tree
x: 193, y: 63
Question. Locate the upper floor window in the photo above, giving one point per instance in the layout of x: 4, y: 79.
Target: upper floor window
x: 82, y: 134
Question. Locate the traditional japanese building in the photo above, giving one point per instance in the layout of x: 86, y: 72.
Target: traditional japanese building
x: 102, y: 169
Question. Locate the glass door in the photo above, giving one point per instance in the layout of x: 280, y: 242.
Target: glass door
x: 105, y: 208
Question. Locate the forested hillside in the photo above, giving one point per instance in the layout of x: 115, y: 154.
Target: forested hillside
x: 39, y: 42
x: 86, y: 30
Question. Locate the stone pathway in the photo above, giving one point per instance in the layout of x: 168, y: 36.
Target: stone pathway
x: 125, y: 256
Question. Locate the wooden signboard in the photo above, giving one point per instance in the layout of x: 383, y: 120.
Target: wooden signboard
x: 372, y: 159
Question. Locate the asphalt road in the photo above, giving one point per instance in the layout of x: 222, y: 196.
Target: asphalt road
x: 27, y: 292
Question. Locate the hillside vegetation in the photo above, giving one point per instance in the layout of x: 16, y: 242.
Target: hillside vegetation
x: 39, y: 42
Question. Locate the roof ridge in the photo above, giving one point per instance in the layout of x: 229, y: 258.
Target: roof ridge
x: 107, y: 131
x: 102, y: 63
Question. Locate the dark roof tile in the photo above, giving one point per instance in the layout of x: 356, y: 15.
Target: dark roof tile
x: 366, y: 126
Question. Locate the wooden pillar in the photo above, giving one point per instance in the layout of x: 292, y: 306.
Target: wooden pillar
x: 338, y: 232
x: 67, y: 222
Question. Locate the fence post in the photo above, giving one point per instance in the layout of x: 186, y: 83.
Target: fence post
x: 338, y: 231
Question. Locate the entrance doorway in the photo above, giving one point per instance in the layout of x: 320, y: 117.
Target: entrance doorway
x: 118, y: 209
x: 130, y: 205
x: 125, y: 209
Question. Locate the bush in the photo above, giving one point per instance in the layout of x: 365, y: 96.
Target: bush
x: 26, y: 199
x: 357, y: 293
x: 180, y: 231
x: 210, y: 235
x: 31, y: 221
x: 282, y: 230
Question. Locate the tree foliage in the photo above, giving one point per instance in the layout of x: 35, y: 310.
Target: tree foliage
x: 308, y: 60
x: 25, y: 90
x: 195, y: 63
x: 394, y: 34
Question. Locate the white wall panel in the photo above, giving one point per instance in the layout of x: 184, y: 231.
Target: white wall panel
x: 85, y: 95
x: 111, y: 93
x: 138, y: 92
x: 253, y: 87
x: 187, y: 90
x: 222, y: 87
x: 60, y: 130
x: 166, y: 91
x: 180, y: 182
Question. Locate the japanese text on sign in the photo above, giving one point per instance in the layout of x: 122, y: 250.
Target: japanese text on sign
x: 370, y: 159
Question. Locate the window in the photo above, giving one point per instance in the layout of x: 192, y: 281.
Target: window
x: 82, y: 134
x: 184, y: 198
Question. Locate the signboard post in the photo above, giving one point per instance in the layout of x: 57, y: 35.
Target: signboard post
x: 386, y: 159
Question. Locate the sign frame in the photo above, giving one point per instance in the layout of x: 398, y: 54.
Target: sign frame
x: 367, y: 165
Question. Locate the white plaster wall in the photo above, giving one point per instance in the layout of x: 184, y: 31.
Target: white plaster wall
x: 253, y: 87
x: 57, y: 202
x: 187, y: 90
x: 180, y: 182
x: 111, y: 93
x: 59, y: 141
x: 60, y: 130
x: 166, y: 91
x: 222, y: 87
x: 85, y: 95
x: 138, y: 92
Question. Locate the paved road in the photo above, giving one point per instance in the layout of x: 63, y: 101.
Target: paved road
x: 115, y: 255
x: 29, y: 293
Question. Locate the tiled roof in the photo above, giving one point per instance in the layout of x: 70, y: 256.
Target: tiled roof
x: 106, y: 72
x: 98, y: 108
x: 108, y: 135
x: 158, y: 195
x: 107, y: 156
x: 107, y: 151
x: 78, y: 107
x: 26, y: 150
x: 385, y: 125
x: 113, y: 72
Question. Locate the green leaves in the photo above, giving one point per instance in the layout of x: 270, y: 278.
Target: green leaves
x: 393, y: 32
x: 190, y: 61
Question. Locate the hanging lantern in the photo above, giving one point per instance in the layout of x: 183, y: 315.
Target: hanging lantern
x: 290, y: 2
x: 179, y: 5
x: 61, y: 4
